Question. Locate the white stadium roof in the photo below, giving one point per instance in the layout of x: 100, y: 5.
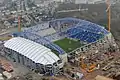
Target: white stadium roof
x: 34, y: 51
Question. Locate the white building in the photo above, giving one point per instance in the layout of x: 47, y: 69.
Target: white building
x: 33, y: 55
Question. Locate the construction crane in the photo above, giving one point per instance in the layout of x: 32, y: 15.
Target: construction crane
x: 109, y: 14
x: 19, y: 24
x: 3, y: 38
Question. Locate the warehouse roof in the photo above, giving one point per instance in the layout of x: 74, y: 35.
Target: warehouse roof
x: 34, y: 51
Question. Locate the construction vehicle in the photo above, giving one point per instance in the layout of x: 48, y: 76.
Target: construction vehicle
x: 90, y: 68
x: 19, y: 24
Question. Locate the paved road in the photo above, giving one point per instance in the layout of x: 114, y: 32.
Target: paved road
x: 8, y: 31
x: 72, y: 10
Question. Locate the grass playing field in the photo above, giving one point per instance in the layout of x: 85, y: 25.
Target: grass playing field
x: 68, y: 45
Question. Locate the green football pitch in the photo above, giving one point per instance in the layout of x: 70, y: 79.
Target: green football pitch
x: 68, y: 45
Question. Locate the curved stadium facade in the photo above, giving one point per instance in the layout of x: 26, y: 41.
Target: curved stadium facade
x: 65, y: 37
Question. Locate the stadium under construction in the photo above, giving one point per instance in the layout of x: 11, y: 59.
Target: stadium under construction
x: 46, y: 47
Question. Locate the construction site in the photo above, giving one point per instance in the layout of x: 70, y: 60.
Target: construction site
x: 70, y: 47
x: 60, y: 49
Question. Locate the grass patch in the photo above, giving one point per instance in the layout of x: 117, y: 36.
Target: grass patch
x: 105, y: 25
x: 68, y: 45
x: 55, y: 52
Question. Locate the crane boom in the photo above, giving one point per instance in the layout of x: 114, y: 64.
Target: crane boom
x: 9, y: 37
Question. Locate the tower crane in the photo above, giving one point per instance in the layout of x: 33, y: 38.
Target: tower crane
x: 19, y: 24
x: 3, y: 38
x: 109, y: 14
x: 9, y: 37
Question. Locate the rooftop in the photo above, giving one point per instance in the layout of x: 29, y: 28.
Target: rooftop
x: 34, y: 51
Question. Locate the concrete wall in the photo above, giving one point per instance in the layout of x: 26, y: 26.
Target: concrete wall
x: 100, y: 46
x: 63, y: 57
x: 16, y: 57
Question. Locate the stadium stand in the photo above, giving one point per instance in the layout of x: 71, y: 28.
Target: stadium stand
x: 54, y: 37
x: 38, y: 27
x: 83, y: 30
x: 41, y: 40
x: 47, y: 33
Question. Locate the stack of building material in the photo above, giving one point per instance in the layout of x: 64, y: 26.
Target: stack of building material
x: 1, y: 77
x: 6, y: 65
x: 7, y: 74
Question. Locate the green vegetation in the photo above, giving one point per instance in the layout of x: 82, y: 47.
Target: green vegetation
x: 55, y: 52
x: 68, y: 45
x: 105, y: 25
